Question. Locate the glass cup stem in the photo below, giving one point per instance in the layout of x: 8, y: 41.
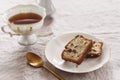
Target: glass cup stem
x: 28, y: 39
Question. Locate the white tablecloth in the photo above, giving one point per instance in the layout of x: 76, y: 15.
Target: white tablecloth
x: 98, y: 17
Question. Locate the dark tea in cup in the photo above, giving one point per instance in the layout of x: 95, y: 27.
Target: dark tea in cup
x: 25, y: 18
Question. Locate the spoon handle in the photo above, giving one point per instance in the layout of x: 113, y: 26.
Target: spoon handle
x: 54, y: 73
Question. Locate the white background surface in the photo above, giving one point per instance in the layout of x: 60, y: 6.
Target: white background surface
x: 98, y: 17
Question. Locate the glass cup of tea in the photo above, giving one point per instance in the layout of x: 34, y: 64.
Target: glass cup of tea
x: 24, y: 20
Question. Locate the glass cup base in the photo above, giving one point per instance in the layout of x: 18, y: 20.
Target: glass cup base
x: 26, y: 40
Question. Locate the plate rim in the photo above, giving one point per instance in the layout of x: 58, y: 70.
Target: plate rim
x: 77, y: 71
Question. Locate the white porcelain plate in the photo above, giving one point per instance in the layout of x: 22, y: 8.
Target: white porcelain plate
x: 55, y: 47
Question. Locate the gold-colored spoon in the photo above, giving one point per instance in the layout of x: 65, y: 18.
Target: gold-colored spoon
x: 36, y: 61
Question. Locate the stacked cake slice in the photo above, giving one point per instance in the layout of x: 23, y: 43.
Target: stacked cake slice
x: 80, y: 47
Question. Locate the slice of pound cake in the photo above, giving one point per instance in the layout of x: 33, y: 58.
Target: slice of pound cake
x: 96, y: 50
x: 76, y: 50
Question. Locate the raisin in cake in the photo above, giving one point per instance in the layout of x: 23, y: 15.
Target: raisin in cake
x: 96, y: 50
x: 76, y: 50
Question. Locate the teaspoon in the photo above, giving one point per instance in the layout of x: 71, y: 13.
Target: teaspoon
x: 36, y: 61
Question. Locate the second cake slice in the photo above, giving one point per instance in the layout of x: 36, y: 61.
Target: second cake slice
x: 76, y: 50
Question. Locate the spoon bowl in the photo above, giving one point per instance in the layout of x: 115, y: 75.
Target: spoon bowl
x: 36, y: 61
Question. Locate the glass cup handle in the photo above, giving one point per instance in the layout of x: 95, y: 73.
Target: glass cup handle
x: 10, y: 33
